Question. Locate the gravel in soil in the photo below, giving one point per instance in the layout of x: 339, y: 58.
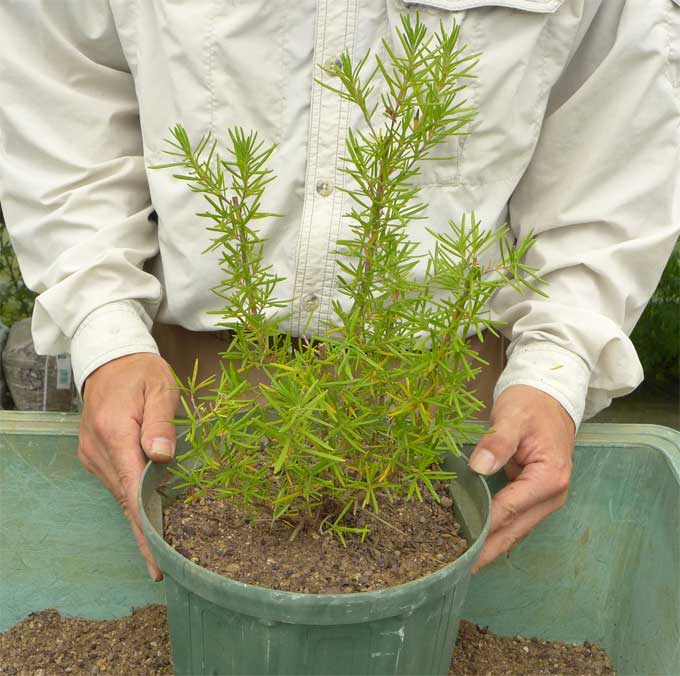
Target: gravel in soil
x: 47, y: 644
x: 407, y: 540
x: 482, y: 653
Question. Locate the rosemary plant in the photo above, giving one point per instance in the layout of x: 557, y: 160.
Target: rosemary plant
x: 309, y: 431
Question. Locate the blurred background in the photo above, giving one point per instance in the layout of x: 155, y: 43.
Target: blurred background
x: 34, y: 382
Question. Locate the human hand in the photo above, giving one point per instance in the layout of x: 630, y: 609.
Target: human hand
x: 534, y: 439
x: 127, y: 405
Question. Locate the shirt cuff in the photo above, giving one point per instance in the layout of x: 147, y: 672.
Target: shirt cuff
x: 552, y: 369
x: 112, y: 330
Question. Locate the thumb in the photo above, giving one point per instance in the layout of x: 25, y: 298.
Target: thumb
x: 496, y: 448
x: 158, y: 435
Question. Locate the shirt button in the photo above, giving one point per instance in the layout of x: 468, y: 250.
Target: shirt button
x: 310, y: 301
x: 324, y: 188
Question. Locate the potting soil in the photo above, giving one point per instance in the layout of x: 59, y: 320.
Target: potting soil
x: 407, y: 540
x: 47, y: 644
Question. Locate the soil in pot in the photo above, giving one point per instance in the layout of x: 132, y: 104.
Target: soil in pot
x: 407, y: 540
x: 46, y: 644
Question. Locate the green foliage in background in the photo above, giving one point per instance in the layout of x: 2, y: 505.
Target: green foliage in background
x: 311, y: 432
x: 16, y: 299
x: 657, y: 335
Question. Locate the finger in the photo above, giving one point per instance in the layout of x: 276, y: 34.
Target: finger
x: 94, y: 457
x: 127, y: 498
x: 86, y: 458
x: 121, y: 466
x: 86, y: 448
x: 151, y: 565
x: 504, y: 539
x: 496, y: 448
x: 158, y: 434
x: 129, y: 463
x: 538, y: 491
x: 512, y: 469
x: 536, y: 483
x: 108, y: 476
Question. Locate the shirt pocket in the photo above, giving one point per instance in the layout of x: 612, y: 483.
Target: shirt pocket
x: 509, y: 87
x: 209, y: 65
x: 249, y: 67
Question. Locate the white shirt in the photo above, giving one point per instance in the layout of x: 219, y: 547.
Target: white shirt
x: 577, y: 137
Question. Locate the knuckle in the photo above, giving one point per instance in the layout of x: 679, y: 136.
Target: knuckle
x: 561, y: 500
x: 562, y: 497
x: 562, y: 481
x: 124, y: 504
x: 126, y: 481
x: 508, y: 513
x: 103, y: 426
x: 160, y: 380
x: 559, y: 493
x: 84, y: 459
x: 500, y: 439
x: 509, y: 541
x: 124, y: 494
x: 496, y: 447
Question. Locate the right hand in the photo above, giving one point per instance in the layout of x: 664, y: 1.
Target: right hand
x: 127, y: 404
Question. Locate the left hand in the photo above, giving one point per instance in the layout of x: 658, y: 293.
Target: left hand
x: 533, y: 439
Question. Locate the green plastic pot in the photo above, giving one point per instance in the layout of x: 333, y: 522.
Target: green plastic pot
x: 221, y: 626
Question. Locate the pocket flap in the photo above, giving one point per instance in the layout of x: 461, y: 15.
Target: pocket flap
x: 541, y: 6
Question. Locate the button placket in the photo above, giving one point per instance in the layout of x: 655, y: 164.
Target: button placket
x: 323, y: 209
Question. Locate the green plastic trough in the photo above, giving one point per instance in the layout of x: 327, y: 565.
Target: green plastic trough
x: 606, y: 568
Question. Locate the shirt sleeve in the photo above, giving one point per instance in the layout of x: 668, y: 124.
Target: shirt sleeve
x: 602, y: 194
x: 72, y: 181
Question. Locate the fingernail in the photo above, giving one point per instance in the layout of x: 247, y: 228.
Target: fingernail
x: 483, y: 462
x: 154, y: 573
x: 161, y: 446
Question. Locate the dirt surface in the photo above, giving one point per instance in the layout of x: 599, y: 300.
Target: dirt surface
x: 46, y: 644
x: 482, y: 653
x: 407, y: 540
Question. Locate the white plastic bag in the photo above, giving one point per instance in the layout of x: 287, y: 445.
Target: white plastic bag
x: 36, y: 382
